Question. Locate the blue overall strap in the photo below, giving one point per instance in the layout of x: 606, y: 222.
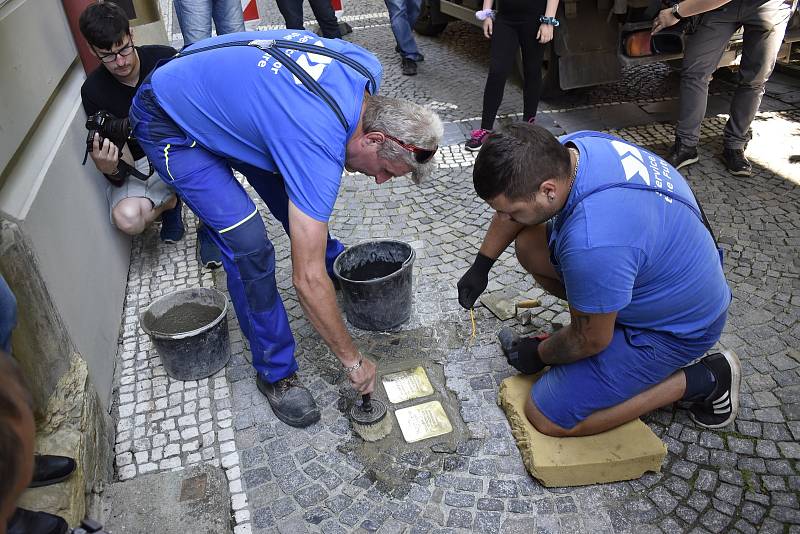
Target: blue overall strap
x: 589, y: 133
x: 275, y: 47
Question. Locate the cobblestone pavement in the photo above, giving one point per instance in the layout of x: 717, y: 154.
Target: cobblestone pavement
x: 743, y: 478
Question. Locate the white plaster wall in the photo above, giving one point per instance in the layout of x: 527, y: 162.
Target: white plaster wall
x: 59, y: 204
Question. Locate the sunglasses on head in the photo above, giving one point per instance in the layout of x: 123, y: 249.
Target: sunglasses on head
x: 421, y: 155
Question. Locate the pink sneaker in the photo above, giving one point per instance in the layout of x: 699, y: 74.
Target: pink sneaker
x: 478, y: 137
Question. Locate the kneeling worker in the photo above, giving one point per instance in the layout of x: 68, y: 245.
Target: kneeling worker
x: 616, y: 231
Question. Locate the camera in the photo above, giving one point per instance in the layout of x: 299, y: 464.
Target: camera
x: 107, y: 126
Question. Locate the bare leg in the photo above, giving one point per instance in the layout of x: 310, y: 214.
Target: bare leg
x: 662, y: 394
x: 132, y: 215
x: 534, y: 256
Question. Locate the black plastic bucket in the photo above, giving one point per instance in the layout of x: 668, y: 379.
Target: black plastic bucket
x: 189, y: 331
x: 376, y: 283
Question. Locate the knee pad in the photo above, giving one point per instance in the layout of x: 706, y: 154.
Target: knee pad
x: 254, y: 257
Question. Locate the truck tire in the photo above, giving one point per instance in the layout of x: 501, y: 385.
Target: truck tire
x: 550, y: 86
x: 425, y: 25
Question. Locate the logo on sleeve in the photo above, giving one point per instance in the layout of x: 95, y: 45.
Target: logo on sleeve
x: 632, y: 161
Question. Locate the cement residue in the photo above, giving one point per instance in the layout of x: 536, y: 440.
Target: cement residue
x: 183, y: 318
x: 391, y: 462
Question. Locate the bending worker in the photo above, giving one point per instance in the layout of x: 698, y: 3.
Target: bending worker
x: 616, y: 231
x: 289, y: 110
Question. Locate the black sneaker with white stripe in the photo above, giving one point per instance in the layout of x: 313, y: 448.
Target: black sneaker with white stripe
x: 719, y: 409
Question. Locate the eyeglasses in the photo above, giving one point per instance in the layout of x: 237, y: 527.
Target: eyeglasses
x: 125, y: 51
x: 421, y: 155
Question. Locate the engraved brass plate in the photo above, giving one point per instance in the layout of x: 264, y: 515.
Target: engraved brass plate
x: 423, y: 421
x: 407, y: 385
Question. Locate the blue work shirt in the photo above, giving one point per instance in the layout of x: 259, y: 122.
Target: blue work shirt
x: 242, y: 104
x: 639, y: 253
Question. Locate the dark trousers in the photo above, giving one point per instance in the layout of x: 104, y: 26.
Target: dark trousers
x: 764, y: 26
x: 292, y: 12
x: 507, y: 37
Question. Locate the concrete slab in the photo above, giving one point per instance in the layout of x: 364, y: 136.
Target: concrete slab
x: 664, y: 111
x: 625, y: 453
x: 453, y: 135
x: 602, y: 118
x: 194, y: 500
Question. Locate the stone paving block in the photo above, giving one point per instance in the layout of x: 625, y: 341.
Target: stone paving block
x: 624, y: 453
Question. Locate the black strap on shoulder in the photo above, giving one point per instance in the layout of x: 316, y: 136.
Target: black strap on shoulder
x: 276, y: 47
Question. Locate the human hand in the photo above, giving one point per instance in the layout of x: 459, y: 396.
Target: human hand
x: 363, y: 378
x: 522, y: 353
x: 474, y: 281
x: 545, y: 33
x: 105, y: 156
x: 488, y: 26
x: 663, y: 20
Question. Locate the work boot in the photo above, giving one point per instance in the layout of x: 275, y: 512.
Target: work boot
x: 681, y: 155
x: 49, y: 469
x: 27, y: 522
x: 409, y: 67
x: 291, y: 402
x: 719, y: 409
x: 736, y: 162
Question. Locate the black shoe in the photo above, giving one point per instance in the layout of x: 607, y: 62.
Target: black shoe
x: 409, y: 67
x: 291, y: 402
x: 681, y: 155
x: 49, y: 469
x: 736, y: 162
x: 420, y: 57
x: 209, y: 252
x: 719, y: 409
x: 172, y: 229
x: 29, y: 522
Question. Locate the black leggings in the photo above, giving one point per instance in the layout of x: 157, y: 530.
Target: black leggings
x: 507, y: 37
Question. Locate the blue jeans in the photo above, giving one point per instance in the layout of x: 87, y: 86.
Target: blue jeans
x: 403, y: 15
x: 194, y: 17
x: 205, y: 182
x: 8, y: 315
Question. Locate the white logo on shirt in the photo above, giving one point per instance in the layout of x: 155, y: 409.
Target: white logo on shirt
x: 632, y: 161
x: 313, y: 64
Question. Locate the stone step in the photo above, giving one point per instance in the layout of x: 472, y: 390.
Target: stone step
x: 625, y: 453
x: 195, y: 499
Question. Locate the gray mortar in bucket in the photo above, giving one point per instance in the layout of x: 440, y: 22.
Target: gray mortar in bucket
x: 377, y: 284
x: 190, y: 332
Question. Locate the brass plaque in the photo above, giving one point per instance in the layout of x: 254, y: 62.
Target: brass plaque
x: 423, y: 421
x: 407, y: 385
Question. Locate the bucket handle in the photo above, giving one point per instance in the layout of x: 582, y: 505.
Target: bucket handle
x: 410, y: 256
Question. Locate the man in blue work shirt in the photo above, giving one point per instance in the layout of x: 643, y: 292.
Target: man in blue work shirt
x: 289, y: 117
x: 614, y: 230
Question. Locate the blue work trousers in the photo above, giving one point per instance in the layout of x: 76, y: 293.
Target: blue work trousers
x: 8, y: 315
x: 205, y: 182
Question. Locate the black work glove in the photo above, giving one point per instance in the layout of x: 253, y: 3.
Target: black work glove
x: 474, y: 281
x: 522, y: 353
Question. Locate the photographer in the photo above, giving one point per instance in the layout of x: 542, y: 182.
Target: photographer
x: 109, y: 90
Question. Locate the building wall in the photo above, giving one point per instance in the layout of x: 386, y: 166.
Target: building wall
x: 56, y: 206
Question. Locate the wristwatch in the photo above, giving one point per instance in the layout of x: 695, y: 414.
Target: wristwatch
x: 675, y: 11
